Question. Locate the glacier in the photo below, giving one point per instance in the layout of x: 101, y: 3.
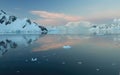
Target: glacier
x: 81, y: 27
x: 14, y: 25
x: 86, y: 28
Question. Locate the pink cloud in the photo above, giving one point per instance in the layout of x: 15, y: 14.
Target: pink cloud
x: 49, y: 42
x: 50, y: 18
x: 51, y: 22
x: 54, y: 18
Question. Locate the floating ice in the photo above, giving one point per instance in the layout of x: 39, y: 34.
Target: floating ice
x: 97, y: 69
x: 113, y: 64
x: 80, y: 62
x: 18, y: 71
x: 34, y: 59
x: 66, y: 47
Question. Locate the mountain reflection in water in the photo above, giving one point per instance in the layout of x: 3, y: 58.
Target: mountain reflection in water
x: 14, y: 41
x: 50, y: 42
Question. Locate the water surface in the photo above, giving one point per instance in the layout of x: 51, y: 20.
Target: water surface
x: 49, y: 55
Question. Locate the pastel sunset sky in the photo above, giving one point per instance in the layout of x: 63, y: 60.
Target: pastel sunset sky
x: 60, y: 12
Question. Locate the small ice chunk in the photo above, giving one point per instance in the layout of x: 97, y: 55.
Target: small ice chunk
x: 97, y: 69
x: 18, y: 71
x: 34, y: 59
x: 66, y: 47
x: 80, y: 63
x: 113, y: 64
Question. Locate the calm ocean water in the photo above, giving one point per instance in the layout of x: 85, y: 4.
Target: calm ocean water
x: 59, y: 55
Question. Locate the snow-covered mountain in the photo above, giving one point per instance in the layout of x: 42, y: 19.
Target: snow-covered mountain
x: 103, y: 29
x: 86, y: 28
x: 12, y: 24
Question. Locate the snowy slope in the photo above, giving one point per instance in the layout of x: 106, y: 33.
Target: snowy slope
x: 81, y: 27
x: 11, y: 24
x: 86, y: 28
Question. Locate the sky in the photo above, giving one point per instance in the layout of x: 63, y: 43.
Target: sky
x: 61, y: 12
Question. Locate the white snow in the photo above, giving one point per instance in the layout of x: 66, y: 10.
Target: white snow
x: 86, y: 28
x: 34, y: 59
x: 103, y: 29
x: 97, y: 69
x: 67, y: 47
x: 18, y: 26
x: 81, y: 27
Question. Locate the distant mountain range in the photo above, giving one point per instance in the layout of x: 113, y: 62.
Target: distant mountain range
x: 103, y: 29
x: 11, y: 24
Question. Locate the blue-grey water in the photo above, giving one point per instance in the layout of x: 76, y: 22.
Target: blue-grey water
x: 59, y: 55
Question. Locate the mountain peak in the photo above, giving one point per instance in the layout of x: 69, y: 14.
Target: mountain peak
x: 3, y: 12
x: 12, y: 24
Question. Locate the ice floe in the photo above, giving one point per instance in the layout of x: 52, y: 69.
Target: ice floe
x: 34, y: 59
x: 67, y: 47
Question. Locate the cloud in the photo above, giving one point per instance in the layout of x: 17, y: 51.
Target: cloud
x: 51, y: 21
x: 54, y: 18
x: 50, y: 18
x: 81, y: 27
